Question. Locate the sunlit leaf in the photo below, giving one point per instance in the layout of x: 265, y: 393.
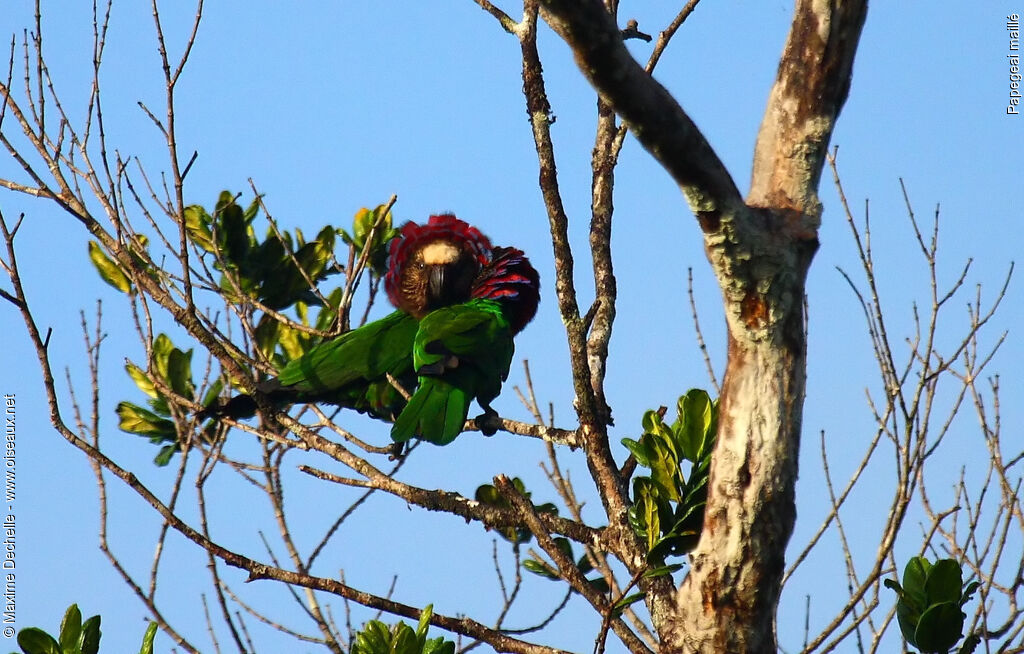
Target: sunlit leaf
x: 70, y: 628
x: 639, y: 451
x: 197, y: 226
x: 141, y: 379
x: 136, y: 420
x: 148, y: 638
x: 424, y: 623
x: 110, y: 271
x: 439, y: 646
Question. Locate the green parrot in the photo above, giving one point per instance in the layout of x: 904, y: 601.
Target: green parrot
x: 463, y: 352
x: 429, y: 266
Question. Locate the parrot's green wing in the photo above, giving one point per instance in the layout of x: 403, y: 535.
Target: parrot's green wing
x: 365, y: 353
x: 351, y: 370
x: 461, y: 352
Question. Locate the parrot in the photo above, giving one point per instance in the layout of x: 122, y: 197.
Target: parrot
x: 463, y: 351
x: 429, y: 266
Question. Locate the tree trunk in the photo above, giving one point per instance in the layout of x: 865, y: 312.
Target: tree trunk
x: 727, y: 601
x: 761, y: 249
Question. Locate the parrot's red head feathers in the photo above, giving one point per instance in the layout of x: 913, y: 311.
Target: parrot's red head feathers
x: 512, y: 281
x: 434, y: 265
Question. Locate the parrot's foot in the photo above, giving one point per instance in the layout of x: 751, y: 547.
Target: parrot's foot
x: 396, y: 452
x: 442, y: 365
x: 488, y: 422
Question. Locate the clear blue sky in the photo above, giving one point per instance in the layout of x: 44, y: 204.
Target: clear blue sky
x: 334, y: 106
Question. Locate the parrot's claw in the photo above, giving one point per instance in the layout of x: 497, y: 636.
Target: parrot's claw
x: 439, y: 367
x: 488, y: 422
x: 396, y: 452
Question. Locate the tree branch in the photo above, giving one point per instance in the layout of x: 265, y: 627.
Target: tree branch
x: 653, y: 115
x: 812, y: 84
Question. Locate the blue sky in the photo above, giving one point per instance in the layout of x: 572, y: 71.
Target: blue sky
x: 337, y: 105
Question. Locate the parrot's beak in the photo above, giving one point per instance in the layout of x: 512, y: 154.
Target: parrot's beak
x: 435, y: 282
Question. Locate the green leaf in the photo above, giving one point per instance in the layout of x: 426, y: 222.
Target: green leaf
x: 424, y: 624
x: 651, y: 518
x: 944, y: 582
x: 162, y: 347
x: 665, y: 472
x: 565, y: 546
x: 361, y: 224
x: 179, y: 372
x: 488, y: 494
x: 197, y: 226
x: 252, y: 210
x: 584, y: 564
x: 915, y: 576
x: 325, y: 319
x: 136, y: 420
x: 939, y: 628
x: 266, y: 335
x: 625, y: 602
x: 695, y: 424
x: 70, y: 628
x: 373, y: 639
x: 968, y: 592
x: 661, y: 571
x: 894, y: 585
x: 148, y: 638
x: 403, y: 640
x: 600, y: 584
x: 970, y: 644
x: 538, y: 568
x: 110, y: 271
x: 439, y: 646
x: 165, y: 454
x: 293, y: 342
x: 639, y: 451
x: 141, y: 379
x: 233, y: 233
x: 650, y: 420
x: 89, y: 643
x: 213, y: 392
x: 36, y: 641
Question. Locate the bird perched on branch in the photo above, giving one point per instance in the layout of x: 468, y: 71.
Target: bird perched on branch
x: 429, y: 266
x: 460, y: 303
x: 463, y: 352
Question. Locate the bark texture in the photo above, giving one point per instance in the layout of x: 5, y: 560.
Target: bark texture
x: 760, y: 249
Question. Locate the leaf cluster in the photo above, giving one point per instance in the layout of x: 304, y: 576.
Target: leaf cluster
x: 279, y: 272
x: 668, y: 505
x: 276, y: 271
x: 489, y: 495
x: 929, y: 608
x: 75, y: 636
x: 172, y: 367
x: 377, y: 638
x: 371, y: 228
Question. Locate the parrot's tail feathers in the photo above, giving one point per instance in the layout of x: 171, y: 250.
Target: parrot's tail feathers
x: 436, y: 413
